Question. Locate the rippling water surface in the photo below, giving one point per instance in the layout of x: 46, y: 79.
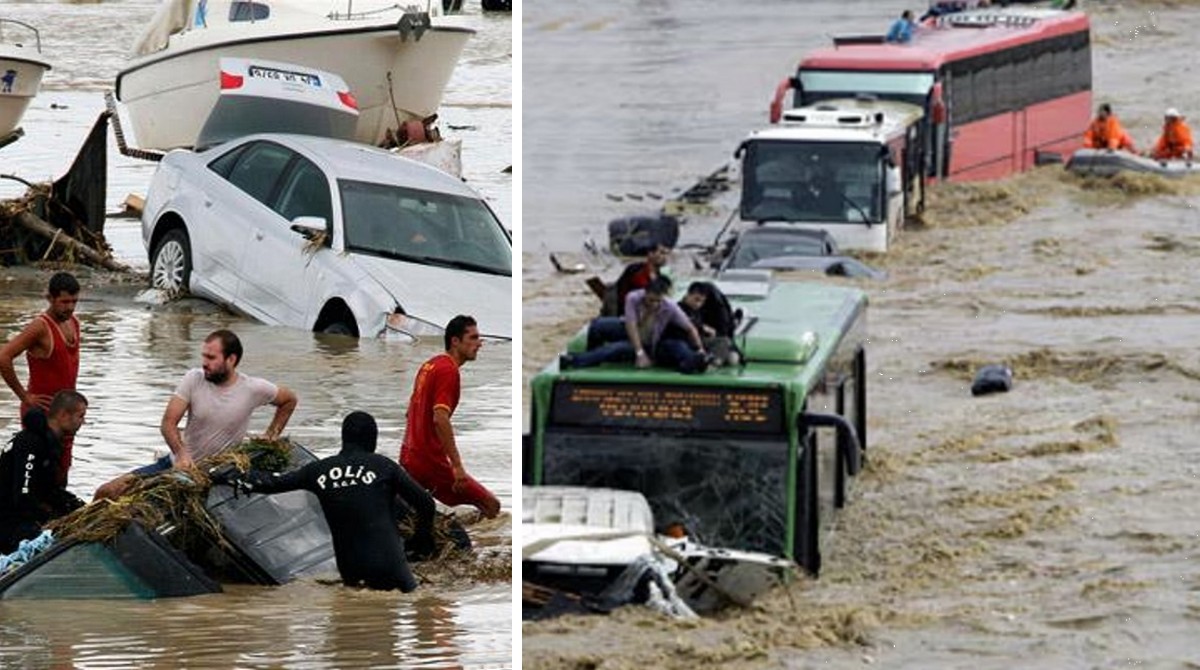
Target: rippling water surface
x: 134, y: 354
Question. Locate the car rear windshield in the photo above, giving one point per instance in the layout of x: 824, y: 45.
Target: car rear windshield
x: 424, y: 227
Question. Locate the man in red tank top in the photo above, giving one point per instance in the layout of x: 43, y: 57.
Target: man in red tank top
x: 429, y: 452
x: 51, y: 347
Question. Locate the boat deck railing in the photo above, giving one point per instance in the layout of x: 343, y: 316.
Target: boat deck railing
x: 37, y: 36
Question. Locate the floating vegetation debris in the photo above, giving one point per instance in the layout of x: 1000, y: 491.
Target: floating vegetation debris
x: 174, y: 497
x: 965, y: 205
x: 1128, y: 187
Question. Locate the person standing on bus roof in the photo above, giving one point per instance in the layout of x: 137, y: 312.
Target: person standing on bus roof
x: 1176, y: 139
x: 902, y: 30
x: 1106, y: 132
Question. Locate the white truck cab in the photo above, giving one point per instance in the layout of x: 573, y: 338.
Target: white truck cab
x: 850, y: 167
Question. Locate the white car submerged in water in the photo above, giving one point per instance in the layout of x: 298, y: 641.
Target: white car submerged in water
x: 329, y: 236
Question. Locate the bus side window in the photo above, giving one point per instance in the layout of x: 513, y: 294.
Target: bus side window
x: 1043, y: 75
x: 1006, y: 87
x: 1061, y: 59
x: 963, y: 95
x: 983, y: 85
x: 1082, y: 56
x: 1024, y: 88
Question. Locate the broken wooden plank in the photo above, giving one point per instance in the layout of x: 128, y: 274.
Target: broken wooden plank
x: 37, y: 225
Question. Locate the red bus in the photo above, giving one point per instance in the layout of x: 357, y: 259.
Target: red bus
x: 1002, y: 89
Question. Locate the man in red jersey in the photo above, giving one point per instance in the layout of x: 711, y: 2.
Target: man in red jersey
x: 51, y: 347
x: 429, y: 452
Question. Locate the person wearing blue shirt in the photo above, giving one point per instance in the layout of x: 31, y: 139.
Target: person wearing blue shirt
x: 901, y: 30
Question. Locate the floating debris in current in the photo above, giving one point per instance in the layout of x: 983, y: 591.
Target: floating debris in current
x: 992, y: 379
x: 566, y: 269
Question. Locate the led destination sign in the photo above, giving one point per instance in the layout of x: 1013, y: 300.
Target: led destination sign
x: 700, y: 408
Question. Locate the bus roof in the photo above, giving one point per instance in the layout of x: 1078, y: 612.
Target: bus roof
x: 950, y: 38
x: 847, y: 120
x: 794, y: 328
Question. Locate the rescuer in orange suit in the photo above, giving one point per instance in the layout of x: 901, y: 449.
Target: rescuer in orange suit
x: 1176, y: 138
x: 1106, y: 132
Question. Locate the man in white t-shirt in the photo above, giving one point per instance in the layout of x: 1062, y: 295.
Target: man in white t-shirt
x: 218, y: 402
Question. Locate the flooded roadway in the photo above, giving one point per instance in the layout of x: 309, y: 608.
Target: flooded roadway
x: 1050, y: 527
x: 133, y: 356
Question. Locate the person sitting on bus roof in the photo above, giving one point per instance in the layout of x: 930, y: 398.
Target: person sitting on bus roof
x: 710, y: 312
x: 902, y: 30
x: 639, y: 335
x: 637, y: 275
x: 1106, y: 132
x: 1176, y: 139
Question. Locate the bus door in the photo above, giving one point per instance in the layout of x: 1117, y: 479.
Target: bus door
x: 938, y: 137
x: 830, y: 454
x: 912, y: 161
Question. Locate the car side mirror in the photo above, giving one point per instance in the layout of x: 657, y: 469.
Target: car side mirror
x: 893, y: 181
x: 308, y: 226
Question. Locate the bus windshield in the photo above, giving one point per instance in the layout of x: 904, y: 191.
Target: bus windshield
x: 818, y: 85
x: 826, y: 182
x: 727, y: 490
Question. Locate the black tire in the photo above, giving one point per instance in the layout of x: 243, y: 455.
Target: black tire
x: 171, y: 262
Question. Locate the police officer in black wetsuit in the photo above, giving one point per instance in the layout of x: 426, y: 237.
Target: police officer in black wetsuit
x: 360, y: 493
x: 31, y: 489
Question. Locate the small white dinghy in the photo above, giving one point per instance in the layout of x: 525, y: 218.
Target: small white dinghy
x: 1106, y: 163
x: 601, y: 545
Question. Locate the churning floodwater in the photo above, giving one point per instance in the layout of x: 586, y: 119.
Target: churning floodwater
x: 1049, y: 527
x: 134, y: 354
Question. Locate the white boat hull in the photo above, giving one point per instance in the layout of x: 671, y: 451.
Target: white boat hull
x: 169, y: 94
x: 20, y: 82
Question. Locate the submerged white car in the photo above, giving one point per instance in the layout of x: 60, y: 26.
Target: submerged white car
x: 328, y: 235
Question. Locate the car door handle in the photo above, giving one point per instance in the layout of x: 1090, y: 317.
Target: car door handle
x: 258, y: 235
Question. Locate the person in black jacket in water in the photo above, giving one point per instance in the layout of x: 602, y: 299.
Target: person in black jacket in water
x: 31, y: 478
x: 361, y: 494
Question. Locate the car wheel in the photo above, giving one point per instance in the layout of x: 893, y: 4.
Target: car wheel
x: 171, y: 267
x: 338, y: 328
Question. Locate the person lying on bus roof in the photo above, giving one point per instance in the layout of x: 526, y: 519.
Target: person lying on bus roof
x: 1106, y: 132
x: 639, y: 335
x: 902, y: 30
x: 942, y: 7
x: 1176, y: 139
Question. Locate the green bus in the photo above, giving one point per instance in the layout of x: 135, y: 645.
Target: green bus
x: 755, y: 457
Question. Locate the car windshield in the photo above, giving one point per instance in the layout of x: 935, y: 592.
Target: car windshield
x: 755, y: 246
x: 424, y: 227
x: 834, y: 182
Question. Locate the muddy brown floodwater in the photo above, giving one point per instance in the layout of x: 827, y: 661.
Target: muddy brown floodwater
x: 132, y: 356
x: 1054, y: 526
